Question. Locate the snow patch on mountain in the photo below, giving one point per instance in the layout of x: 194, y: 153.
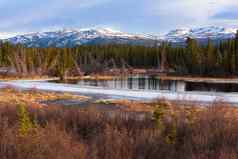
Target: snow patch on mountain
x: 92, y: 36
x: 70, y: 38
x: 212, y: 32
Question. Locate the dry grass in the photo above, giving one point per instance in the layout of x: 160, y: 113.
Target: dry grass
x: 201, y: 79
x: 138, y: 106
x: 128, y: 105
x: 33, y: 97
x: 172, y: 107
x: 9, y: 78
x: 120, y: 74
x: 92, y: 77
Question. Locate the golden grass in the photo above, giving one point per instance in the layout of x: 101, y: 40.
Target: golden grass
x: 200, y: 79
x: 9, y: 78
x: 11, y: 96
x: 33, y: 97
x: 91, y: 77
x: 110, y: 77
x: 173, y: 107
x: 128, y: 105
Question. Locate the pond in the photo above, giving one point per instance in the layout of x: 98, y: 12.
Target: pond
x: 156, y: 84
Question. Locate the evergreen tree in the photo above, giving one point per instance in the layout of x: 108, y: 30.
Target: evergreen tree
x: 25, y: 123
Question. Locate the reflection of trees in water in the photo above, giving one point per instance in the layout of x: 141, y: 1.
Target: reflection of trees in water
x: 212, y: 87
x: 142, y: 83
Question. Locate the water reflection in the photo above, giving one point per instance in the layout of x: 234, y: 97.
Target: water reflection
x: 211, y: 87
x: 155, y: 83
x: 135, y: 83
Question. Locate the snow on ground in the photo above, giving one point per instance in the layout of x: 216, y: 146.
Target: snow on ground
x: 125, y: 94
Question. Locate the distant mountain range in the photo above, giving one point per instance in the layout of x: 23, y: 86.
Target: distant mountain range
x: 100, y: 36
x: 214, y: 33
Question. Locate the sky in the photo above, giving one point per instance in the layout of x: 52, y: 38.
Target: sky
x: 133, y: 16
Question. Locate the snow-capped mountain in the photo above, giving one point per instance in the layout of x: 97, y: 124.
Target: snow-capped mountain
x: 71, y: 38
x: 201, y: 34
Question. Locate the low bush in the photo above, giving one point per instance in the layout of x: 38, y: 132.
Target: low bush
x: 72, y: 133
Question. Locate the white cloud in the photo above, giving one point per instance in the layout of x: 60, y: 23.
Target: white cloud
x: 146, y: 15
x: 83, y: 3
x: 44, y: 11
x: 198, y: 11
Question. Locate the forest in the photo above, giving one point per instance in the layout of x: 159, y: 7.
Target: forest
x: 193, y: 59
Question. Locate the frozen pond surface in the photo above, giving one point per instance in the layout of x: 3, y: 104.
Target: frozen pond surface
x: 143, y: 95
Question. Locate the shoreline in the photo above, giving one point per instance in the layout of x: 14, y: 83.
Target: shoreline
x: 139, y: 95
x: 110, y: 77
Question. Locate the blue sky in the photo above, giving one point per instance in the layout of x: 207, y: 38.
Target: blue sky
x: 135, y: 16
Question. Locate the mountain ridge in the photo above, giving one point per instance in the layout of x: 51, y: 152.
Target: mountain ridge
x: 98, y: 36
x: 71, y: 38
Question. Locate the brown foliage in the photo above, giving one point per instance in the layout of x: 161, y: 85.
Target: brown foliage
x: 70, y: 133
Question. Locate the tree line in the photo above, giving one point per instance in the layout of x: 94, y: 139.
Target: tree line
x: 193, y: 59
